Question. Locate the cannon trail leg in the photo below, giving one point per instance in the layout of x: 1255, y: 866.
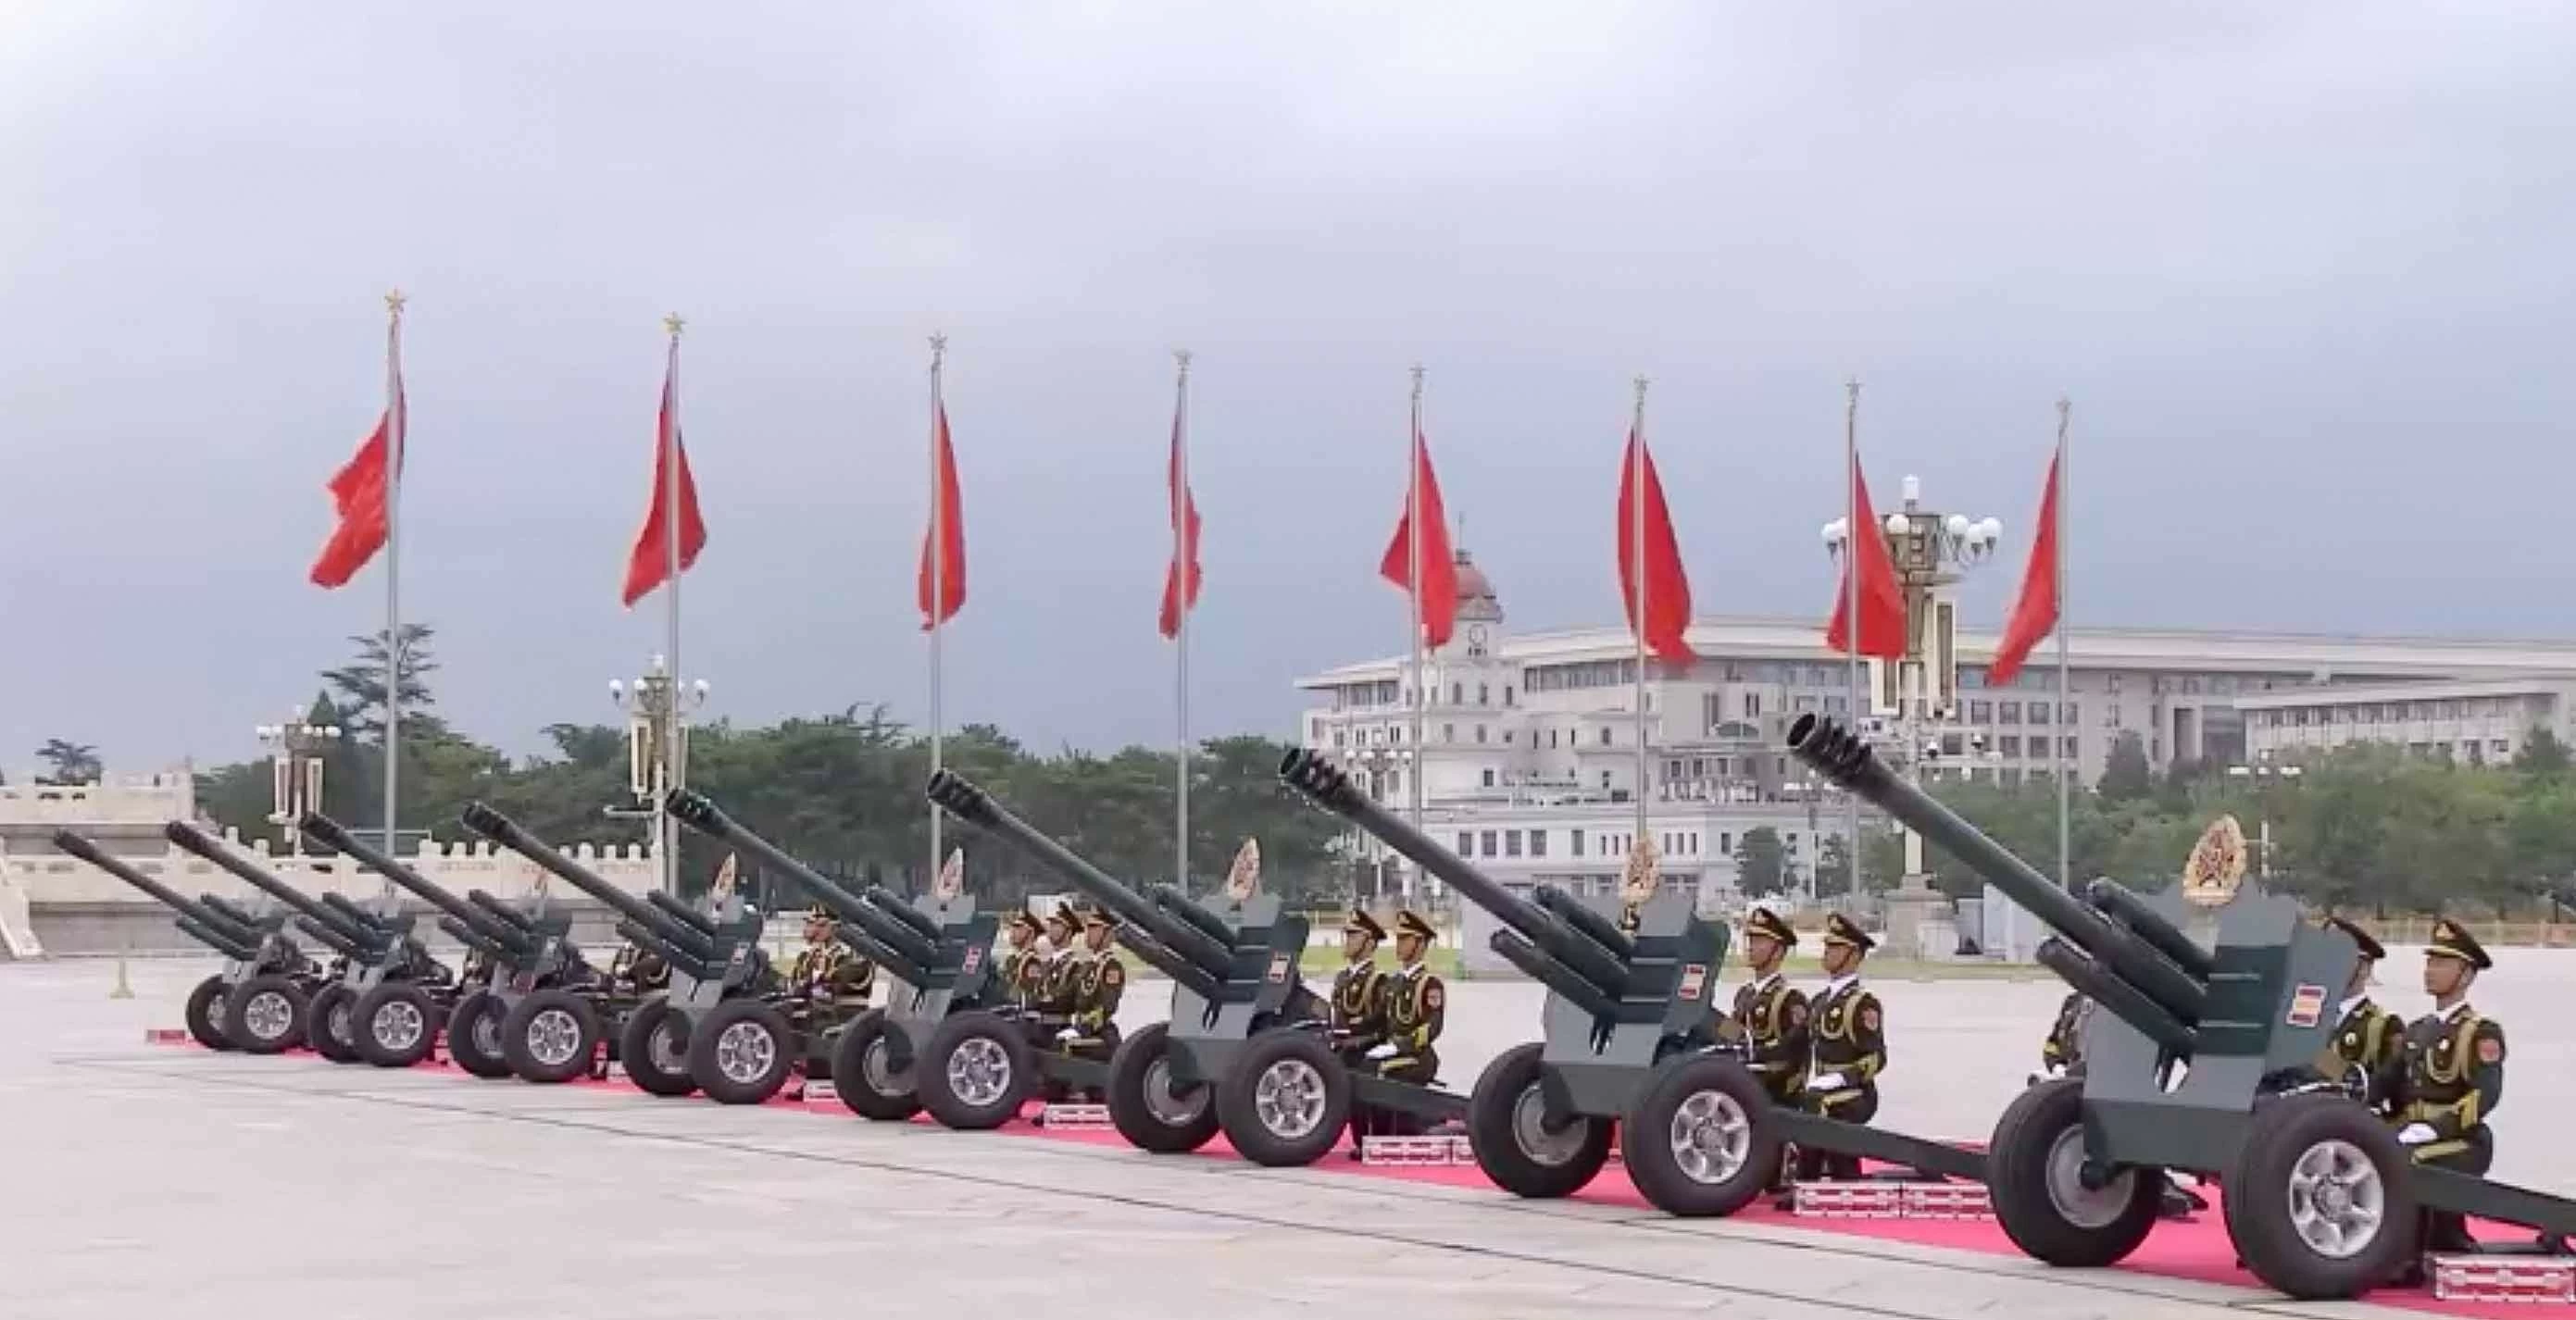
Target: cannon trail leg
x: 1508, y: 1128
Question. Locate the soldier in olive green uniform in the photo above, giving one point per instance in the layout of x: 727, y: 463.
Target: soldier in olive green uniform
x: 1850, y: 1041
x: 1018, y: 958
x: 1050, y: 980
x: 636, y: 972
x: 2451, y: 1076
x: 1358, y: 1023
x: 1770, y: 1018
x: 2369, y: 1041
x: 1097, y: 977
x: 2062, y: 1054
x: 1416, y: 1006
x: 829, y: 982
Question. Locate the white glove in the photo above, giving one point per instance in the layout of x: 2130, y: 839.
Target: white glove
x: 1832, y: 1081
x: 1381, y: 1051
x: 1068, y: 1033
x: 2416, y: 1134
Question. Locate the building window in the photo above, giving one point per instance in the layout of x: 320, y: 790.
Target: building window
x: 1488, y: 844
x: 1793, y: 843
x: 2008, y: 712
x: 2111, y: 684
x: 2008, y: 745
x: 2039, y: 712
x: 1605, y: 779
x: 1551, y: 738
x: 1448, y: 733
x: 1981, y: 712
x: 1489, y: 779
x: 1394, y: 782
x: 1694, y: 843
x: 1337, y: 737
x: 1457, y: 694
x: 1507, y: 694
x: 1466, y: 844
x: 1605, y: 741
x: 1576, y: 837
x: 1480, y: 733
x: 1511, y: 843
x: 2070, y: 749
x: 1484, y: 695
x: 1726, y: 842
x: 1538, y: 843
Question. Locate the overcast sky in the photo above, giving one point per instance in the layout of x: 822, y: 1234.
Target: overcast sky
x: 2305, y: 270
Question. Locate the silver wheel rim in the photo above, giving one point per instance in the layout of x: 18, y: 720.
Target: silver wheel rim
x: 487, y: 1034
x: 215, y: 1013
x: 979, y: 1071
x: 1165, y: 1101
x: 2077, y: 1204
x: 1711, y: 1136
x: 398, y: 1026
x: 336, y: 1022
x: 745, y: 1051
x: 878, y: 1067
x: 1289, y: 1099
x: 665, y: 1048
x: 268, y: 1015
x: 2337, y: 1201
x: 553, y: 1037
x: 1529, y: 1130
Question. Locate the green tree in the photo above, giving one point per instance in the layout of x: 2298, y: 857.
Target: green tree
x: 69, y: 763
x: 2126, y: 775
x: 1761, y: 863
x: 1833, y: 868
x: 2543, y: 757
x: 361, y: 682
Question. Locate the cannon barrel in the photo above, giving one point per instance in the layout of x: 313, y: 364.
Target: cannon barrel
x: 197, y: 842
x: 229, y: 921
x: 1170, y: 964
x: 223, y: 941
x: 500, y: 912
x: 1606, y: 967
x: 1171, y: 900
x: 471, y: 937
x: 231, y: 911
x: 896, y: 906
x: 356, y: 915
x: 2116, y: 996
x: 329, y: 937
x: 973, y: 805
x: 1847, y: 761
x: 914, y: 952
x: 374, y: 859
x: 680, y: 912
x: 508, y: 833
x: 2123, y: 904
x: 650, y: 940
x: 1585, y: 921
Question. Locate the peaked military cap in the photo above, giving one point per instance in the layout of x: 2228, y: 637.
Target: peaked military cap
x: 1840, y: 929
x: 1027, y: 920
x: 1092, y: 916
x: 1361, y: 923
x: 2453, y: 940
x: 2370, y: 948
x: 1065, y: 913
x: 1409, y: 922
x: 818, y: 912
x: 1764, y: 921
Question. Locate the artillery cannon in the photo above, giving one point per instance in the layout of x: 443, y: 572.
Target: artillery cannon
x: 715, y: 960
x: 385, y: 995
x: 1631, y: 1043
x: 259, y: 1002
x: 936, y: 954
x: 526, y: 960
x: 1244, y: 1049
x: 2209, y: 1056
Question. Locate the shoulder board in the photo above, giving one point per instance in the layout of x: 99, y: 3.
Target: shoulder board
x: 1113, y: 972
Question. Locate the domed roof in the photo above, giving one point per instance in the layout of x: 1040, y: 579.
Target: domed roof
x: 1476, y: 599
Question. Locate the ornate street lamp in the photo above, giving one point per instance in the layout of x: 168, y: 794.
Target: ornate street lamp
x: 657, y: 745
x: 298, y: 749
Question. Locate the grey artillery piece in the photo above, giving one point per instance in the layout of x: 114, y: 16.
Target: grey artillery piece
x: 385, y: 996
x: 1631, y: 1044
x: 719, y: 976
x: 1244, y: 1049
x: 258, y: 1002
x: 2210, y: 1055
x: 937, y: 954
x: 531, y: 1008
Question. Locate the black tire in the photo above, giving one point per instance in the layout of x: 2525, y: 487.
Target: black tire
x: 549, y: 1037
x: 474, y: 1035
x: 974, y: 1072
x: 394, y: 1025
x: 743, y: 1051
x: 327, y: 1024
x: 1701, y: 1141
x: 663, y: 1071
x: 205, y: 1014
x: 872, y: 1069
x: 2032, y: 1167
x: 1505, y: 1127
x: 1144, y: 1106
x: 1285, y: 1100
x: 276, y: 1025
x: 2292, y: 1140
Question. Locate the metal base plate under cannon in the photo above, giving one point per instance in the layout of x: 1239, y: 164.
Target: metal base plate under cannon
x: 1244, y: 1050
x: 1630, y: 1043
x: 2217, y: 1001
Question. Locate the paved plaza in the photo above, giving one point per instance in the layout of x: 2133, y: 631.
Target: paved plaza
x: 150, y: 1180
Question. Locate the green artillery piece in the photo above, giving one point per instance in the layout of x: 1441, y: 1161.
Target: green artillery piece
x: 2209, y: 1056
x: 937, y: 954
x: 386, y: 996
x: 537, y: 1010
x: 719, y: 980
x: 258, y: 1002
x: 1245, y: 1048
x: 1631, y: 1043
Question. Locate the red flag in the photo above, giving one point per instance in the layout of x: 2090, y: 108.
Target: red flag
x: 1882, y: 601
x: 358, y: 495
x: 2034, y: 612
x: 1668, y: 602
x: 1439, y: 586
x: 1185, y: 555
x: 951, y: 539
x: 648, y: 565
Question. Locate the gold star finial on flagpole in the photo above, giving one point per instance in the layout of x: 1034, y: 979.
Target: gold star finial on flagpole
x: 674, y: 324
x: 394, y: 302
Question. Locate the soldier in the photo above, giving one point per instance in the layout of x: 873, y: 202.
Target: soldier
x: 1770, y: 1018
x: 2062, y: 1054
x: 2451, y: 1077
x: 638, y: 972
x: 1359, y: 992
x: 1850, y: 1047
x: 1098, y: 976
x: 1416, y: 1006
x: 827, y: 973
x: 1050, y: 986
x: 1018, y: 958
x: 2369, y: 1041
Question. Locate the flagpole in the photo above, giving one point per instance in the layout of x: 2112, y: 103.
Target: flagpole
x: 2065, y: 765
x: 1637, y: 588
x: 666, y: 831
x: 1851, y: 599
x: 1413, y: 534
x: 938, y: 584
x: 394, y: 428
x: 1181, y: 501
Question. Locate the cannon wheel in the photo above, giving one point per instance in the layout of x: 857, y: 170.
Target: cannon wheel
x: 474, y: 1035
x: 1285, y: 1100
x: 974, y: 1072
x: 1507, y: 1128
x: 205, y: 1014
x: 742, y: 1051
x: 265, y: 1015
x: 393, y: 1025
x: 2319, y: 1204
x: 654, y: 1047
x: 872, y: 1069
x: 2034, y: 1164
x: 548, y: 1037
x: 1146, y: 1108
x: 327, y: 1024
x: 1698, y: 1143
